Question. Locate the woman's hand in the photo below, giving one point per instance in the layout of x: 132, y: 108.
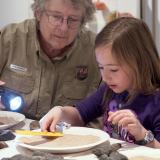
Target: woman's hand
x: 128, y: 119
x: 49, y: 121
x: 2, y: 83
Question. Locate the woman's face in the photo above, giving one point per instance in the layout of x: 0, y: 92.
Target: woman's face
x: 118, y: 77
x: 59, y: 23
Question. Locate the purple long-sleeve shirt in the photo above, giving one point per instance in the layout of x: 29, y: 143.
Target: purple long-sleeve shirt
x: 146, y: 107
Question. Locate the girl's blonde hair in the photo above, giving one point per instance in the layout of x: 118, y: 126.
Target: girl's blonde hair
x: 131, y: 43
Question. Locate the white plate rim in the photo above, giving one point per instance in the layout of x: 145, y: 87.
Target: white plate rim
x: 15, y: 115
x: 100, y: 133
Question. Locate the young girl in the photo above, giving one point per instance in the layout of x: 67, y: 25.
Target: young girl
x: 129, y: 99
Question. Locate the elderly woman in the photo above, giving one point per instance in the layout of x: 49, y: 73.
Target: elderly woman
x: 50, y: 59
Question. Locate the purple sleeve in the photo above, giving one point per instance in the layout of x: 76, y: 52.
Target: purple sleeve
x: 147, y: 108
x: 91, y: 107
x: 156, y: 117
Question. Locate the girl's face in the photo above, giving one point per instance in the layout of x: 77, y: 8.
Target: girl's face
x: 118, y: 77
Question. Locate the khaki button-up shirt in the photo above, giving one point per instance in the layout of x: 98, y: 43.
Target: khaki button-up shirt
x: 46, y: 82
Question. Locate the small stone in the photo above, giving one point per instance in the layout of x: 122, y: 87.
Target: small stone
x: 104, y: 157
x: 6, y: 135
x: 18, y: 157
x: 117, y: 156
x: 34, y: 125
x: 116, y: 146
x: 104, y: 148
x: 3, y: 145
x: 47, y: 156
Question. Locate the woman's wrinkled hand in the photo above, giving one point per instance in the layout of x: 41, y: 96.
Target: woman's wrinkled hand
x: 2, y: 83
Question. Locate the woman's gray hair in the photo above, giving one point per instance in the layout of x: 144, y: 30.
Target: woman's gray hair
x: 87, y: 4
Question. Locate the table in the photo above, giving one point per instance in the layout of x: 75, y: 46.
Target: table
x: 132, y: 151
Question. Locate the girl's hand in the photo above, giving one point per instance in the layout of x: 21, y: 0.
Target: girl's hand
x: 128, y: 119
x: 49, y: 121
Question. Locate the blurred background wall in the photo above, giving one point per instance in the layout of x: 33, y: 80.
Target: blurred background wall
x: 150, y: 12
x: 14, y: 11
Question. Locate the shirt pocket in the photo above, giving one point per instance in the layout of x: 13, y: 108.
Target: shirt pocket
x: 18, y: 81
x: 76, y: 92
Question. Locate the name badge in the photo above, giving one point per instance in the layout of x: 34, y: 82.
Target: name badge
x: 18, y: 68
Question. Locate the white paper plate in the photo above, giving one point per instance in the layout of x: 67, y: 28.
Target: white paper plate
x: 78, y: 131
x: 16, y: 117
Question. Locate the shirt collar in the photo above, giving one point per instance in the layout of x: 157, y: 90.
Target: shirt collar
x: 68, y: 52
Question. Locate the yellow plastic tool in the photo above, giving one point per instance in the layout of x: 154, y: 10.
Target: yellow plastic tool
x: 39, y: 133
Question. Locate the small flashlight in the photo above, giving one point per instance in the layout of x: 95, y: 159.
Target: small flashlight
x: 11, y: 99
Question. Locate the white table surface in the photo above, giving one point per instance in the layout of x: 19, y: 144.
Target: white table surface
x: 132, y: 151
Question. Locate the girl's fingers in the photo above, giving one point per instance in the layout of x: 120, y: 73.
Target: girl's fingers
x: 53, y: 125
x: 115, y: 116
x: 45, y: 123
x: 125, y: 121
x: 49, y: 121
